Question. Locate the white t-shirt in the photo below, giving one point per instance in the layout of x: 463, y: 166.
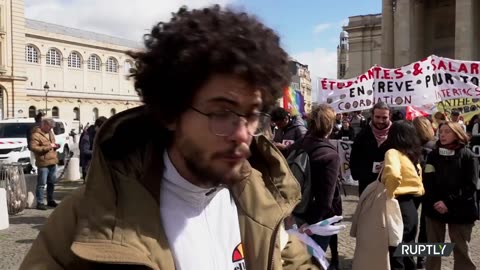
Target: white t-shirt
x: 201, y: 224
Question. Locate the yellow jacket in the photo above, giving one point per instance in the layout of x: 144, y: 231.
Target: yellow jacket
x: 400, y: 176
x: 114, y: 222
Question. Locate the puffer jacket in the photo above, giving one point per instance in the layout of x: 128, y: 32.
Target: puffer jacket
x: 40, y: 143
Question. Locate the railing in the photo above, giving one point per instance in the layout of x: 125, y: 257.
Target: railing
x: 13, y: 180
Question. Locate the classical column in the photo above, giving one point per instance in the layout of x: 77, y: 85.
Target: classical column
x: 402, y: 32
x: 465, y: 29
x: 387, y: 34
x: 418, y: 30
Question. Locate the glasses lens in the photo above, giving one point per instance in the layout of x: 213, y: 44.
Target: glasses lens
x: 225, y: 123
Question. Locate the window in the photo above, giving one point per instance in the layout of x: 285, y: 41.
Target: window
x: 32, y: 112
x: 53, y: 58
x: 14, y: 130
x: 94, y: 62
x: 112, y: 65
x: 59, y: 128
x: 76, y: 112
x: 126, y: 68
x: 113, y: 112
x: 31, y: 54
x: 55, y: 112
x: 74, y: 60
x: 95, y: 114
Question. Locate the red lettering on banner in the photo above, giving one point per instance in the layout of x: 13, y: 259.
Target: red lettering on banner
x: 340, y: 85
x: 474, y: 68
x: 417, y: 70
x: 441, y: 65
x: 331, y: 85
x: 386, y: 74
x: 456, y: 92
x: 463, y: 68
x: 433, y: 64
x: 349, y: 83
x: 399, y: 73
x: 450, y: 67
x: 371, y: 74
x: 478, y: 91
x: 377, y: 72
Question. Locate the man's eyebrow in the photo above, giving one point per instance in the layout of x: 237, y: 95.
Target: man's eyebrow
x: 255, y: 104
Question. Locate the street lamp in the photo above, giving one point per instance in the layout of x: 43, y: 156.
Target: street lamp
x: 46, y: 88
x: 79, y: 113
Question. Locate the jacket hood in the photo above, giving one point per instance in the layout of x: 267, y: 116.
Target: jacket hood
x: 123, y: 185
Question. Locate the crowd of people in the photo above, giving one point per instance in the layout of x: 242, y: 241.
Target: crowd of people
x: 199, y: 177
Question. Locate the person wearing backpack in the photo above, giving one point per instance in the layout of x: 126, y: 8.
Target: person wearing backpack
x: 325, y: 200
x: 451, y: 197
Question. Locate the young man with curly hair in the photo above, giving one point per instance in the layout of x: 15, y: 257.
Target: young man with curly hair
x: 186, y: 181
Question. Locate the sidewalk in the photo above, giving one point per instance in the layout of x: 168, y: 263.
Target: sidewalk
x: 16, y: 240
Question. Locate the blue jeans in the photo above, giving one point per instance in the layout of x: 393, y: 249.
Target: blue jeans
x: 47, y: 176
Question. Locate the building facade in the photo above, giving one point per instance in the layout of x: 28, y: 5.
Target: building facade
x: 302, y: 82
x: 410, y: 30
x: 71, y: 74
x: 363, y: 35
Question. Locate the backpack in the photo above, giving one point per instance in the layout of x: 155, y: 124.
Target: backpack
x: 299, y: 163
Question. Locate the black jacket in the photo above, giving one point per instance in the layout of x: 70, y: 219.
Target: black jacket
x: 294, y: 131
x: 350, y: 134
x: 451, y: 179
x: 365, y: 151
x: 325, y: 169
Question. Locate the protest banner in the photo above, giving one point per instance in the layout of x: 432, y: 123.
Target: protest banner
x: 468, y: 107
x: 427, y: 81
x: 344, y: 148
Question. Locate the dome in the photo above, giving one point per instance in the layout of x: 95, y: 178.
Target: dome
x: 344, y: 34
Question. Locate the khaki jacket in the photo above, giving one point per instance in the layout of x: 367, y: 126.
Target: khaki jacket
x: 114, y: 222
x: 40, y: 143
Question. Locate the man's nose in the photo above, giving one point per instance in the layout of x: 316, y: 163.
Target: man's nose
x: 241, y: 133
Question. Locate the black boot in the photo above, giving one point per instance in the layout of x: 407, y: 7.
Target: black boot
x: 52, y: 203
x: 41, y: 206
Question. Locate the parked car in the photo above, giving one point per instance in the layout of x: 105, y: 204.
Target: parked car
x: 13, y: 143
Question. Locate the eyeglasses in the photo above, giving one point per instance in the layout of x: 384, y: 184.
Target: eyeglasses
x: 224, y: 123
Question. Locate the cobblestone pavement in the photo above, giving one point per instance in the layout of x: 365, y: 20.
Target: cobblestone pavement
x: 16, y: 240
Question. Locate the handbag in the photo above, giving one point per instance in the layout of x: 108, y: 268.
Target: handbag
x: 393, y: 217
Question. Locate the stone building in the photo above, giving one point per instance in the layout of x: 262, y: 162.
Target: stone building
x: 409, y: 30
x: 72, y: 74
x: 342, y: 55
x: 302, y: 82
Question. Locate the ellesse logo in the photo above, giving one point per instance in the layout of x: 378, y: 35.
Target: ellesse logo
x: 238, y: 258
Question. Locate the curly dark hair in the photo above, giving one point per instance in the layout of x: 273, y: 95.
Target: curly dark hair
x: 182, y: 54
x: 402, y: 136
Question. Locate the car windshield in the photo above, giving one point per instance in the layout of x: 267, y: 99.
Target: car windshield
x: 14, y: 130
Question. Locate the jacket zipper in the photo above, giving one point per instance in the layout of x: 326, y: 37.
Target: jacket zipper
x: 275, y: 232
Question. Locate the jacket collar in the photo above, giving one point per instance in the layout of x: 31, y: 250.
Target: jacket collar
x: 123, y: 188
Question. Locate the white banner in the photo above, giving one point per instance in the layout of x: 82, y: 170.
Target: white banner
x: 344, y: 148
x: 428, y: 81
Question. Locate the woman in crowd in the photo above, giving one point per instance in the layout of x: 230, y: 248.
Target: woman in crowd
x: 325, y: 169
x: 426, y: 134
x: 451, y: 177
x: 402, y: 178
x: 346, y: 132
x: 438, y: 119
x: 473, y: 125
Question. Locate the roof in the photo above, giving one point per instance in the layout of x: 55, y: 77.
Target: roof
x: 73, y: 32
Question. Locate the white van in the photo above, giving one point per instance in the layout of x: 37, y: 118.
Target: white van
x: 13, y: 141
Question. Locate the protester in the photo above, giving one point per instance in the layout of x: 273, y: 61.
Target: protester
x: 38, y: 120
x: 43, y: 145
x: 86, y: 145
x: 367, y: 151
x: 438, y: 119
x: 426, y: 134
x: 325, y: 169
x: 346, y: 133
x: 451, y: 179
x: 358, y: 122
x: 456, y: 117
x: 337, y: 126
x: 290, y: 129
x: 402, y: 178
x: 187, y: 181
x: 474, y: 124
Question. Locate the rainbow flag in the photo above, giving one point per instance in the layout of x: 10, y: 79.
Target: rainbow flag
x: 293, y: 101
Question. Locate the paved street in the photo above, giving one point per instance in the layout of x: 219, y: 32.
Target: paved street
x: 15, y: 241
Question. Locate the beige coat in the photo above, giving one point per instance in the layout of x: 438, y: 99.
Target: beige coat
x: 40, y: 143
x: 369, y: 228
x: 115, y: 220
